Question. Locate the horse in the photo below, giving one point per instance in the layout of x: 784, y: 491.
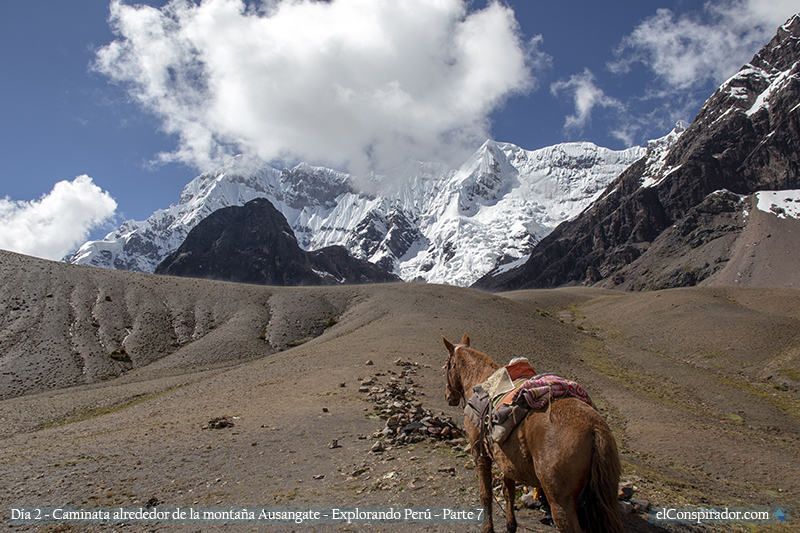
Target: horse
x: 568, y: 451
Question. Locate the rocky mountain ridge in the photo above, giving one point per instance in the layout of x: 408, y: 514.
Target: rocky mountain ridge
x: 745, y: 139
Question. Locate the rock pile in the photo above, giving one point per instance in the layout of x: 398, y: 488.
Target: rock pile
x: 628, y: 504
x: 219, y: 423
x: 407, y: 420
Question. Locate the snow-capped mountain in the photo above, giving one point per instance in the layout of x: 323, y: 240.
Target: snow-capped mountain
x: 678, y: 216
x: 422, y: 221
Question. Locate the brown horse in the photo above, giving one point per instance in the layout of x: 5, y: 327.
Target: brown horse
x: 568, y: 451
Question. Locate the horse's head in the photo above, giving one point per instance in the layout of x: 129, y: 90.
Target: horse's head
x: 454, y: 393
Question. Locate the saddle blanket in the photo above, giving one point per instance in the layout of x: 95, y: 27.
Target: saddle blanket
x: 504, y: 399
x: 538, y: 391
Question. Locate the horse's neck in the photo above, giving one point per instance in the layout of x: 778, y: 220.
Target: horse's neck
x: 477, y: 368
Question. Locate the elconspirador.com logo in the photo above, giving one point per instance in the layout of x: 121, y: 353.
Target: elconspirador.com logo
x: 720, y: 515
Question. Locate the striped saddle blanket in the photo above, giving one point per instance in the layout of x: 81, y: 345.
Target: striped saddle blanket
x: 539, y: 390
x: 502, y: 401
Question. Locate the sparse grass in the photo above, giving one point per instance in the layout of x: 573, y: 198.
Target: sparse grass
x: 791, y: 373
x: 300, y: 342
x: 593, y: 353
x: 120, y: 355
x: 88, y: 414
x: 736, y: 419
x: 596, y: 357
x: 782, y: 400
x: 659, y: 487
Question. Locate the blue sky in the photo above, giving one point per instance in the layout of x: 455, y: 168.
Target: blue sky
x: 140, y: 103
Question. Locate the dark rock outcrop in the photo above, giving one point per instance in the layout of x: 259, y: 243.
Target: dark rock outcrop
x: 387, y: 237
x: 745, y: 138
x: 335, y: 265
x: 255, y: 244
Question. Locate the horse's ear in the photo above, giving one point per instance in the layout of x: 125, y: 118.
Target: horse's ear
x: 465, y: 340
x: 449, y: 345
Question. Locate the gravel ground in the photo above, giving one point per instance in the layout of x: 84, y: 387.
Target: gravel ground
x: 699, y: 386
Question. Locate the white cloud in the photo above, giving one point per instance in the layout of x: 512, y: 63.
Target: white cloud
x: 586, y: 95
x: 58, y: 222
x: 687, y: 56
x: 699, y: 47
x: 363, y: 84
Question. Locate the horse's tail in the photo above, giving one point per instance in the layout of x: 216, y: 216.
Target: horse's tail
x: 600, y: 497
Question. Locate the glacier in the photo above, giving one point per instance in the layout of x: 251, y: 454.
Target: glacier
x: 423, y: 221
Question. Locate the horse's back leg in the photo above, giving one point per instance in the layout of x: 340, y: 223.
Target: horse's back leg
x: 510, y: 493
x: 563, y: 486
x: 564, y: 509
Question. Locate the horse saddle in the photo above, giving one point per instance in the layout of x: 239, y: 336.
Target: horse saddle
x: 501, y: 402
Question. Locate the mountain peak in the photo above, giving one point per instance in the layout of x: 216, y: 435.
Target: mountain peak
x: 255, y: 244
x: 792, y: 26
x: 423, y: 221
x: 663, y: 212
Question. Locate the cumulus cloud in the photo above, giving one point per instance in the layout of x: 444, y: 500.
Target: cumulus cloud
x: 586, y: 95
x: 703, y: 46
x: 58, y: 222
x: 358, y: 84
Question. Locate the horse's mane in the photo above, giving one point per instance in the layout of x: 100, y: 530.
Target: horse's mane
x: 477, y: 366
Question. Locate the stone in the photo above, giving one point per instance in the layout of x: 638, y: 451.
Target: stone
x: 625, y: 508
x: 415, y: 484
x: 625, y: 492
x: 529, y: 501
x: 641, y: 506
x: 220, y: 423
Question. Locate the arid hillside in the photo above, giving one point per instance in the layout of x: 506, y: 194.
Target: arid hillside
x: 700, y: 385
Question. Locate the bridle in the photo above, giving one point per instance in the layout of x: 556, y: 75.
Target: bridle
x: 447, y: 366
x: 486, y: 449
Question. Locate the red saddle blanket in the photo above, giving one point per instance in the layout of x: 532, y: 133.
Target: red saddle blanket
x: 538, y: 391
